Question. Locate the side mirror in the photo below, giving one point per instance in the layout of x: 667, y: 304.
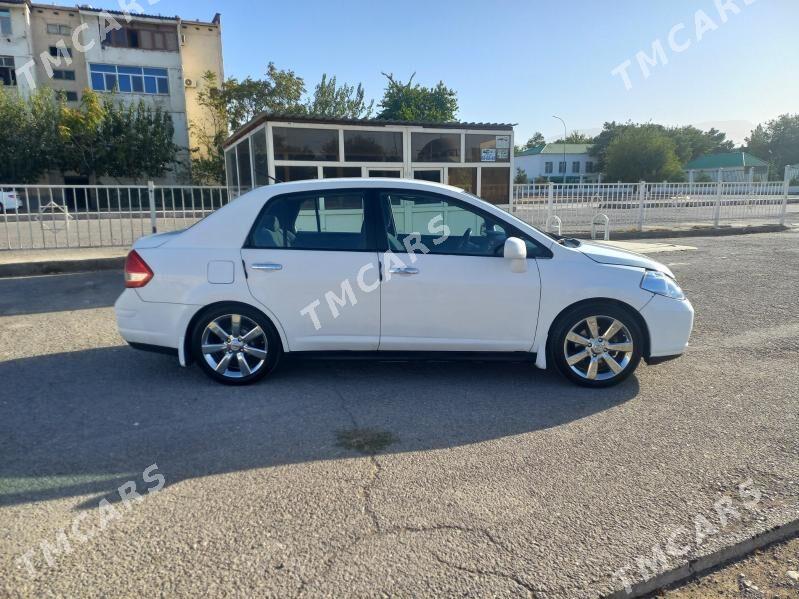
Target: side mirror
x: 516, y: 251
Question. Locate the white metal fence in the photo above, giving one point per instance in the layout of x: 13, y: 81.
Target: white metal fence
x: 636, y: 206
x: 68, y: 216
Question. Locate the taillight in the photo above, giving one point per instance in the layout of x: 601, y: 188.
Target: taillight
x: 137, y: 273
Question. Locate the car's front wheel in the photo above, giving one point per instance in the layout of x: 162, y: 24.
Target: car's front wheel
x: 597, y: 345
x: 235, y: 344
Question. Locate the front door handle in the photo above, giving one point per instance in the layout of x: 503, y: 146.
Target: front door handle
x: 267, y: 266
x: 405, y: 270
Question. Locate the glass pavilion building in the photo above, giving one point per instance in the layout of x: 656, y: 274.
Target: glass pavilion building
x: 477, y: 157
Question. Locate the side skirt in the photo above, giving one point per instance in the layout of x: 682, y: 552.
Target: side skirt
x: 412, y: 356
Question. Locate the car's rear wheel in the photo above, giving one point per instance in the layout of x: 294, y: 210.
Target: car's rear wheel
x: 597, y: 345
x: 235, y: 344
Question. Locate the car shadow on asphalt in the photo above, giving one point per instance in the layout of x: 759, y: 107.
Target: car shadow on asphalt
x: 57, y: 293
x: 82, y: 423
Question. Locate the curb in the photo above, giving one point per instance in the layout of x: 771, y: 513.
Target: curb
x: 702, y: 565
x: 52, y: 267
x: 700, y: 232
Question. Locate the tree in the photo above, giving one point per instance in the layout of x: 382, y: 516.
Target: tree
x: 692, y: 143
x: 28, y: 135
x: 689, y: 142
x: 575, y: 137
x: 537, y: 139
x: 230, y: 104
x: 208, y: 158
x: 280, y: 91
x: 777, y: 142
x: 143, y: 141
x: 409, y: 102
x: 642, y: 153
x: 105, y: 137
x: 521, y: 177
x: 340, y: 102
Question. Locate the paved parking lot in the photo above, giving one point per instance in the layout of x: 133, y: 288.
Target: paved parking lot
x: 501, y: 480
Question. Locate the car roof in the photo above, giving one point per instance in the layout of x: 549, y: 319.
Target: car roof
x: 350, y: 182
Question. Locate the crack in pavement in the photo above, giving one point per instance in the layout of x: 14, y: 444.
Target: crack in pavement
x: 378, y: 531
x: 480, y: 572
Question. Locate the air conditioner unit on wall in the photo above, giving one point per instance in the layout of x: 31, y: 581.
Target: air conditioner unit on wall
x: 190, y: 82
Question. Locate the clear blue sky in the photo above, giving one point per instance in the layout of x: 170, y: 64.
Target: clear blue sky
x: 522, y: 61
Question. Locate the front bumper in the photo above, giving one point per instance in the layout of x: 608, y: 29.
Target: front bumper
x: 670, y: 323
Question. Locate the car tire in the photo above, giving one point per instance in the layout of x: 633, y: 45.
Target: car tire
x: 235, y: 344
x: 596, y: 345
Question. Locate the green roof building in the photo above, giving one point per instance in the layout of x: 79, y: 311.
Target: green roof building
x: 730, y: 166
x: 546, y: 163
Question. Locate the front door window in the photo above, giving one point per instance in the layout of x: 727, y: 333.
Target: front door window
x: 442, y: 224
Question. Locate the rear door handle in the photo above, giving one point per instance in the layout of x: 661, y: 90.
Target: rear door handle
x: 405, y: 270
x: 267, y: 266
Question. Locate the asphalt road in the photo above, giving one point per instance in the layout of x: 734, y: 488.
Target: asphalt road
x: 502, y: 480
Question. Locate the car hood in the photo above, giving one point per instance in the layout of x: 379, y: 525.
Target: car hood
x: 605, y: 254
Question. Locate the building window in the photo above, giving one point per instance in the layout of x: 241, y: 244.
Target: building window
x: 300, y: 143
x: 64, y: 75
x: 5, y: 21
x: 335, y: 172
x: 372, y: 146
x: 57, y: 29
x: 576, y: 166
x: 230, y: 167
x: 589, y: 167
x: 548, y: 168
x: 463, y: 177
x: 57, y: 52
x: 487, y: 148
x: 143, y: 39
x: 562, y: 167
x: 295, y: 173
x: 129, y: 80
x: 495, y: 185
x: 435, y: 147
x: 68, y: 96
x: 259, y: 160
x: 8, y: 75
x: 243, y: 158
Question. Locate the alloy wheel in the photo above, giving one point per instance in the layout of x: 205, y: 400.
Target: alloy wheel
x: 234, y: 346
x: 598, y: 348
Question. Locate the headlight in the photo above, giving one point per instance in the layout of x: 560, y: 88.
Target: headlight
x: 657, y: 282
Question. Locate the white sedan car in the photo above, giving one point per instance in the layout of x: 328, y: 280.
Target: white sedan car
x: 392, y: 267
x: 10, y: 200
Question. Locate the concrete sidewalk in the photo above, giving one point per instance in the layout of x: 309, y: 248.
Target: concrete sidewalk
x: 26, y: 263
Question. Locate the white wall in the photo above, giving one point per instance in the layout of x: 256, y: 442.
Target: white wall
x: 19, y: 44
x: 535, y: 165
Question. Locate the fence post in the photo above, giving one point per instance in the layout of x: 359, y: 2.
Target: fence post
x: 641, y: 203
x: 785, y: 189
x: 550, y: 199
x: 717, y: 208
x: 151, y: 196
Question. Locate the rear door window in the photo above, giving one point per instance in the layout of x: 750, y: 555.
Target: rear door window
x: 314, y: 221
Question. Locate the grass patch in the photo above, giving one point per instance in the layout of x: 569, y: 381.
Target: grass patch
x: 365, y: 440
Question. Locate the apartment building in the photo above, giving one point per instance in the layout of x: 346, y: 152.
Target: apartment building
x: 158, y: 59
